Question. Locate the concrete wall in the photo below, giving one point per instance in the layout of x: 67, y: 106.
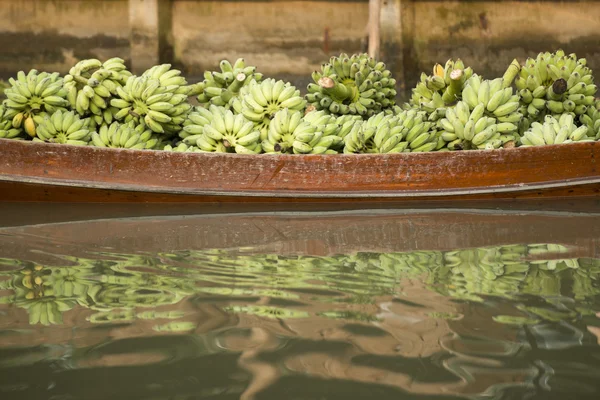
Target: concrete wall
x: 489, y: 34
x: 292, y: 38
x: 54, y: 34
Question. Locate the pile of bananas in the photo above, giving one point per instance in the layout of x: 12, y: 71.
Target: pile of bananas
x: 554, y: 83
x: 554, y: 131
x: 356, y: 85
x: 442, y: 89
x: 91, y: 84
x: 260, y: 101
x: 65, y: 128
x: 350, y: 108
x: 33, y: 94
x: 125, y: 136
x: 219, y: 88
x: 156, y: 99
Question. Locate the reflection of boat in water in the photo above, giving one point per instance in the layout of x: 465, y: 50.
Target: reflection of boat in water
x: 317, y: 233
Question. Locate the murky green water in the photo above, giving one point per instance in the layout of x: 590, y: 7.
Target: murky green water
x: 398, y: 304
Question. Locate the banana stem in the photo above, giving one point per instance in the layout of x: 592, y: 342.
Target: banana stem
x: 455, y: 87
x: 336, y: 90
x: 309, y: 109
x: 456, y: 81
x: 511, y: 73
x: 237, y: 83
x: 559, y: 86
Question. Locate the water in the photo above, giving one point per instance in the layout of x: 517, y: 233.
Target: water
x: 402, y: 304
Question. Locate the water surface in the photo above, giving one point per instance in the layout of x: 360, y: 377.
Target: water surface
x: 398, y: 304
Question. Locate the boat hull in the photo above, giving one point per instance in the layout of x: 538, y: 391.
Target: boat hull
x: 46, y: 172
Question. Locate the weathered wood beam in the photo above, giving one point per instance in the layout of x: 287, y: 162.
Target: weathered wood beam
x: 150, y: 32
x: 397, y: 36
x: 374, y: 31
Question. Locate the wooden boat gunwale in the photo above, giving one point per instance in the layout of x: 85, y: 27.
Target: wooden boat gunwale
x: 404, y: 175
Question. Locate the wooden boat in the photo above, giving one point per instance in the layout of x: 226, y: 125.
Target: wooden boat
x: 48, y: 172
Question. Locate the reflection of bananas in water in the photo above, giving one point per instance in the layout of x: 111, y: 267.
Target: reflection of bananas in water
x: 74, y: 282
x: 515, y: 320
x: 268, y: 312
x: 116, y: 287
x: 34, y: 292
x: 111, y: 317
x: 129, y: 297
x: 272, y: 293
x: 175, y: 326
x: 45, y: 310
x: 160, y: 315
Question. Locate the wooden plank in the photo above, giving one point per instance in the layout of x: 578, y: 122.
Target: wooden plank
x: 406, y: 175
x: 27, y: 192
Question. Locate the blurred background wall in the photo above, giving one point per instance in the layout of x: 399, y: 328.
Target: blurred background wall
x: 291, y: 38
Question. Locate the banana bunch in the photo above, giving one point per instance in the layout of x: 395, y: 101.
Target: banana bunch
x: 442, y: 89
x: 346, y: 123
x: 329, y: 125
x: 359, y: 139
x: 555, y: 83
x: 464, y: 129
x: 591, y: 119
x: 91, y: 84
x: 356, y: 85
x: 418, y: 133
x: 193, y: 126
x: 145, y: 100
x: 290, y: 133
x: 32, y: 94
x: 555, y: 131
x: 3, y: 86
x: 219, y: 88
x: 385, y: 133
x: 227, y: 133
x: 395, y: 134
x: 6, y: 129
x: 324, y: 121
x: 65, y: 128
x: 170, y: 79
x: 182, y: 148
x: 498, y: 101
x: 125, y: 136
x: 260, y: 101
